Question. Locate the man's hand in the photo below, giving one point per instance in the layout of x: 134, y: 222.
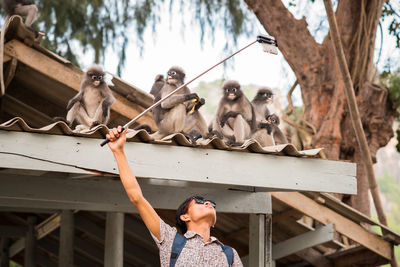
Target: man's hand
x: 117, y: 139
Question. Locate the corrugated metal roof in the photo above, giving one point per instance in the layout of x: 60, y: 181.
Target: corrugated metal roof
x: 100, y: 131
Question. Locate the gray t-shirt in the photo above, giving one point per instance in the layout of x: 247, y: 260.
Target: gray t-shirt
x: 196, y: 252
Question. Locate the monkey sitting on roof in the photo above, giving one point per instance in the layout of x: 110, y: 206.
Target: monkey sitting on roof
x: 91, y: 106
x: 24, y: 8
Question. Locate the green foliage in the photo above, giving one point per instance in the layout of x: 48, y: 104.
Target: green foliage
x: 95, y: 25
x: 390, y: 188
x: 394, y: 26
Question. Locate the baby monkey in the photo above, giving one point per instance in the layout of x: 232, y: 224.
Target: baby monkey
x: 91, y: 106
x: 260, y: 104
x: 271, y: 125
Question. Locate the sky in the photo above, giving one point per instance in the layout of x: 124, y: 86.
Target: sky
x: 173, y: 44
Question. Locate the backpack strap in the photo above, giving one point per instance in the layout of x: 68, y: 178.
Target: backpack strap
x: 177, y: 246
x: 228, y: 253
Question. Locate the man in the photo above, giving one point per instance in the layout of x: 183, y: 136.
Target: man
x: 194, y: 217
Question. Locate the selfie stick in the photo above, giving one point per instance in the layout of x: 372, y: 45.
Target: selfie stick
x: 269, y: 44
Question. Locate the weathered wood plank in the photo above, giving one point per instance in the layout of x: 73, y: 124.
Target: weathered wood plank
x: 102, y: 194
x: 257, y: 240
x: 209, y: 167
x: 293, y: 245
x: 114, y: 243
x: 342, y: 225
x: 66, y: 251
x: 68, y: 75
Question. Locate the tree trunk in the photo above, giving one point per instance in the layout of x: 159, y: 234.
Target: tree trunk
x: 317, y: 72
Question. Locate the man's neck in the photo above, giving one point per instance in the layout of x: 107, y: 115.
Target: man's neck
x: 203, y: 229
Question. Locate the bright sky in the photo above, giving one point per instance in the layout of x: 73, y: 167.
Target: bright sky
x: 168, y: 47
x: 174, y: 45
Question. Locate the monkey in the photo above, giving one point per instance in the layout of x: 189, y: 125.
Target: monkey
x: 260, y: 104
x: 271, y: 125
x: 235, y: 118
x: 23, y: 8
x: 172, y: 116
x: 91, y: 106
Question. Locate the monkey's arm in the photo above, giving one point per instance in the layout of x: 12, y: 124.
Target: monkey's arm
x: 225, y: 117
x: 75, y: 99
x: 177, y: 99
x: 132, y: 187
x: 266, y: 126
x: 106, y: 104
x: 279, y: 136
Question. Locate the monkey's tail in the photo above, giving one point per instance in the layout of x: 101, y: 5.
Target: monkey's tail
x: 2, y: 37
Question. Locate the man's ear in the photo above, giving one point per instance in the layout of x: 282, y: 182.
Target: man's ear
x: 185, y: 217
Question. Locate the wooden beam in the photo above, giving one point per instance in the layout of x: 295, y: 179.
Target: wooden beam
x: 133, y: 251
x: 12, y: 231
x: 114, y: 244
x: 342, y: 225
x: 257, y: 240
x: 66, y: 251
x: 41, y: 230
x: 190, y: 165
x: 269, y: 262
x: 5, y: 252
x: 23, y: 191
x: 30, y: 244
x: 293, y: 245
x: 68, y: 75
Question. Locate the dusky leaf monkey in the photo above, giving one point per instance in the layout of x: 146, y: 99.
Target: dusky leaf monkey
x: 172, y: 115
x: 271, y: 125
x: 23, y: 8
x: 260, y: 103
x: 91, y: 106
x: 235, y: 118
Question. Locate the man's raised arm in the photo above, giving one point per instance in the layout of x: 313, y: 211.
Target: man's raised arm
x: 131, y: 185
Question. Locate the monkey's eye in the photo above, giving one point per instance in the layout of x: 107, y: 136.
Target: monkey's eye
x: 171, y: 73
x: 100, y: 77
x: 94, y: 77
x: 234, y: 90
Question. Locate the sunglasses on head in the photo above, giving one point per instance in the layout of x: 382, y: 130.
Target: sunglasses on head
x: 200, y: 201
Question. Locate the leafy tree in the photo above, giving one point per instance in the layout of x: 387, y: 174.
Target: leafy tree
x: 98, y: 24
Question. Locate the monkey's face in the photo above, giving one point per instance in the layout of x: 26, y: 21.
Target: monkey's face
x: 265, y: 96
x: 96, y: 78
x: 273, y: 119
x: 175, y: 76
x: 232, y: 92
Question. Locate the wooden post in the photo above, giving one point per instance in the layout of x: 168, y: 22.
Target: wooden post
x: 114, y: 244
x: 66, y: 251
x: 5, y: 252
x: 256, y: 242
x: 30, y: 244
x: 268, y: 240
x: 354, y: 113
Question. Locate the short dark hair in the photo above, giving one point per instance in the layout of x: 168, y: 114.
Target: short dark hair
x: 181, y: 225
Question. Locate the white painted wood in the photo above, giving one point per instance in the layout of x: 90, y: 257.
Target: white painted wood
x: 104, y: 194
x: 66, y: 251
x: 310, y: 239
x: 194, y: 165
x: 114, y: 244
x: 256, y: 240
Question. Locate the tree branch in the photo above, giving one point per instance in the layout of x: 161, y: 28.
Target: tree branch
x: 292, y: 34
